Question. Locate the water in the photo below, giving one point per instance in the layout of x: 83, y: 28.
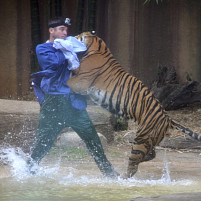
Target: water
x: 79, y: 181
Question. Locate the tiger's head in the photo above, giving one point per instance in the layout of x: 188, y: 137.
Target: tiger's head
x: 91, y: 64
x: 92, y: 42
x: 86, y: 38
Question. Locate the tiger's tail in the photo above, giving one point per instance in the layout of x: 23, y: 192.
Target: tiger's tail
x: 186, y: 130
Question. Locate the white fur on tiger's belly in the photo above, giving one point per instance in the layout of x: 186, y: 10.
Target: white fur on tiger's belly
x: 97, y: 95
x: 100, y: 98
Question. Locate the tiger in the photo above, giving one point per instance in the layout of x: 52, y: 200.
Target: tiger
x: 103, y: 78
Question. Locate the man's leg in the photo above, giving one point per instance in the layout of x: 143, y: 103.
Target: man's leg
x: 82, y: 125
x: 50, y: 125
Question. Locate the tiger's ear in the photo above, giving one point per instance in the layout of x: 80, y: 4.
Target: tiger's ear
x: 93, y: 33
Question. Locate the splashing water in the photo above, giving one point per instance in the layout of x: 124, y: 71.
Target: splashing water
x: 16, y: 159
x: 166, y: 174
x: 55, y: 181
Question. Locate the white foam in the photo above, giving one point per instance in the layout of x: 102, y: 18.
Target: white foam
x: 131, y: 182
x: 16, y: 159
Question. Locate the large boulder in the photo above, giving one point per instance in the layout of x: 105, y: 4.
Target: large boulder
x: 71, y: 139
x: 19, y: 122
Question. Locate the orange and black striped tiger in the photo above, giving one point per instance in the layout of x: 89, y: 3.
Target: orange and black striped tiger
x: 122, y: 94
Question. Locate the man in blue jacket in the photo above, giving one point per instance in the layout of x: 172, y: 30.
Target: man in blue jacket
x: 60, y: 108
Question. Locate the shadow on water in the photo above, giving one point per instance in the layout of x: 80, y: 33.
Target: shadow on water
x: 60, y: 181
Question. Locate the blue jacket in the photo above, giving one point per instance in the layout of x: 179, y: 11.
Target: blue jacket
x: 54, y: 75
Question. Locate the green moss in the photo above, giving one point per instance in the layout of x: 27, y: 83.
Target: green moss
x: 119, y: 124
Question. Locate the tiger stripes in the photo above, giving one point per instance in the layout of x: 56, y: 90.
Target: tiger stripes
x: 102, y: 77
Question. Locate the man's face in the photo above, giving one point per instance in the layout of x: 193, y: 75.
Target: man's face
x: 58, y: 32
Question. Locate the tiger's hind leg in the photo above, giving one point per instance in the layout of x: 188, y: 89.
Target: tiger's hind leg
x: 151, y: 155
x: 140, y: 152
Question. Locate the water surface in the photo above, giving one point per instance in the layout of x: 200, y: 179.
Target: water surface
x: 81, y: 180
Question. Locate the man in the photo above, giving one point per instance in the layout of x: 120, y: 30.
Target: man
x: 59, y: 107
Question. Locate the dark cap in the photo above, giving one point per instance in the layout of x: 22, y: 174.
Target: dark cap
x: 59, y: 22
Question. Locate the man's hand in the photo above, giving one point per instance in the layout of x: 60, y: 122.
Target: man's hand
x: 76, y: 71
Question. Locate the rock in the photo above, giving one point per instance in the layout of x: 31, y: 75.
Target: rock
x: 101, y: 120
x: 71, y: 139
x: 19, y: 122
x: 180, y: 142
x: 176, y: 197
